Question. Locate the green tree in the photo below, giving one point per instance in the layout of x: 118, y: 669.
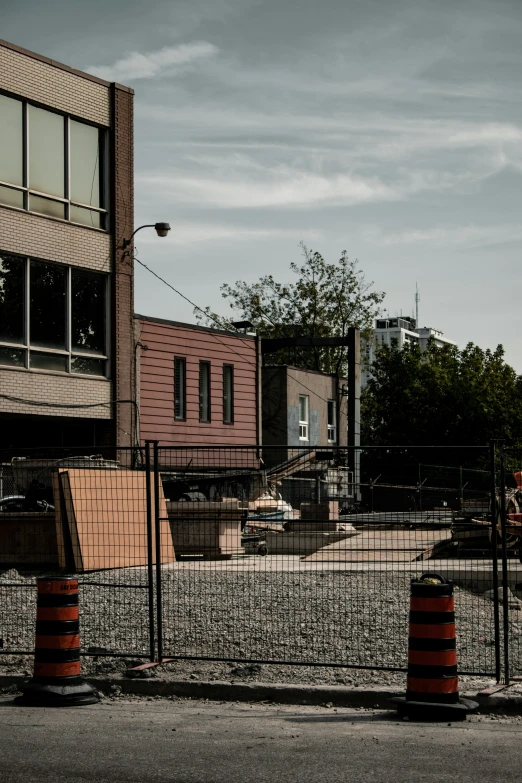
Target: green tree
x: 442, y: 396
x: 324, y: 301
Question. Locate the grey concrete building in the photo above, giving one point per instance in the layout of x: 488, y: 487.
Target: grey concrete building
x: 302, y: 408
x: 66, y: 284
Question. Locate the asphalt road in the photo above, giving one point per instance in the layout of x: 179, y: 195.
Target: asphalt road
x: 192, y: 742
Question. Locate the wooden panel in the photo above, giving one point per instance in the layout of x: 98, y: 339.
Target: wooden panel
x: 107, y: 518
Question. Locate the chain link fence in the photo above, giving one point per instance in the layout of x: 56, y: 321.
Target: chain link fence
x: 260, y: 555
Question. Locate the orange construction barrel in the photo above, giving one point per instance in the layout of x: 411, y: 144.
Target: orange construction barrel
x: 432, y: 689
x: 56, y: 680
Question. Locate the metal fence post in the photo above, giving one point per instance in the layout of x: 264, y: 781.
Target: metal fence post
x: 494, y: 556
x: 505, y: 607
x: 150, y: 559
x: 157, y: 523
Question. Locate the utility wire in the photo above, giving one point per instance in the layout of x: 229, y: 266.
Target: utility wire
x: 212, y: 318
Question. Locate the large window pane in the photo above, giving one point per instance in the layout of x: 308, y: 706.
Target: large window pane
x: 12, y: 357
x: 46, y: 152
x: 11, y: 197
x: 47, y: 207
x: 87, y: 312
x: 11, y: 140
x: 86, y: 366
x: 87, y: 217
x: 48, y: 305
x: 85, y: 163
x: 48, y: 361
x: 12, y: 288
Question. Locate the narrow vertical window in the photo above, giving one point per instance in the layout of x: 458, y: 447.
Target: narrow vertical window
x: 180, y: 388
x: 11, y: 150
x: 332, y: 421
x: 303, y: 417
x: 48, y: 305
x: 204, y: 391
x: 228, y: 394
x: 46, y: 152
x: 12, y: 297
x: 85, y: 173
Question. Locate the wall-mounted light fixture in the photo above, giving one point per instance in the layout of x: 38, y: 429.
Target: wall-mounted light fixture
x: 162, y: 229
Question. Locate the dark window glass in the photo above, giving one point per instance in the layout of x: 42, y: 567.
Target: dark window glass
x: 87, y: 366
x: 47, y: 207
x: 46, y: 152
x: 48, y: 361
x: 87, y: 217
x: 13, y: 198
x: 180, y: 392
x: 332, y: 421
x: 204, y: 391
x: 12, y: 357
x: 88, y: 293
x: 85, y: 164
x: 228, y: 394
x: 48, y: 305
x: 11, y: 140
x: 12, y: 296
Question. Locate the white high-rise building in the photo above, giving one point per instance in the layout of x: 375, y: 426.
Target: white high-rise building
x: 400, y: 331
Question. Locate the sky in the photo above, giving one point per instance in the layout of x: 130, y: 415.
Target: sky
x: 391, y: 129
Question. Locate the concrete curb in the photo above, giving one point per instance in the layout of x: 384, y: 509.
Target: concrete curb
x: 500, y: 703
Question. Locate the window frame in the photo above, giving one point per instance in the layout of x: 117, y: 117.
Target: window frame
x: 304, y: 432
x: 69, y: 352
x: 183, y: 402
x: 67, y: 202
x: 228, y: 367
x: 331, y: 428
x: 207, y: 364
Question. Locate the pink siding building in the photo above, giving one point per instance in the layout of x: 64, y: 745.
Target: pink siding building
x: 196, y: 386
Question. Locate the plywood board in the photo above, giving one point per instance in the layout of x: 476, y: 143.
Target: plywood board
x: 107, y: 518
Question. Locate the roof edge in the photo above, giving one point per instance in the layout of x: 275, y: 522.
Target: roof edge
x: 196, y: 327
x: 55, y: 64
x: 301, y: 369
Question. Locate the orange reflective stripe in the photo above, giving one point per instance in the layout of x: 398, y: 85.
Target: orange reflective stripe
x: 443, y: 631
x: 57, y: 669
x: 57, y: 613
x: 65, y: 642
x: 60, y: 587
x: 437, y: 658
x: 435, y: 685
x: 444, y: 604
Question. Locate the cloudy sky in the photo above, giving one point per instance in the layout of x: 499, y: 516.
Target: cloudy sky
x: 389, y: 128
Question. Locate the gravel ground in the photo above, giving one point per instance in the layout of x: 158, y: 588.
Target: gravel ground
x: 342, y: 617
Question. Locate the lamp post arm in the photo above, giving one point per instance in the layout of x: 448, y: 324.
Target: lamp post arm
x: 126, y: 242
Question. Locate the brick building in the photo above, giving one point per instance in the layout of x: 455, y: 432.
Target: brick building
x: 66, y: 286
x: 197, y: 386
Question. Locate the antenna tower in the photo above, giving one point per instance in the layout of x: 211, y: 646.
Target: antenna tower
x: 417, y: 300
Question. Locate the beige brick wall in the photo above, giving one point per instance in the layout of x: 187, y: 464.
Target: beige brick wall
x: 61, y: 389
x: 52, y: 240
x: 52, y: 86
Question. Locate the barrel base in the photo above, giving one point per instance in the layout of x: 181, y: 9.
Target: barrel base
x: 37, y: 694
x: 436, y: 711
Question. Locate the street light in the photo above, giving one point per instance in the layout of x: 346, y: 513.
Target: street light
x: 162, y: 229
